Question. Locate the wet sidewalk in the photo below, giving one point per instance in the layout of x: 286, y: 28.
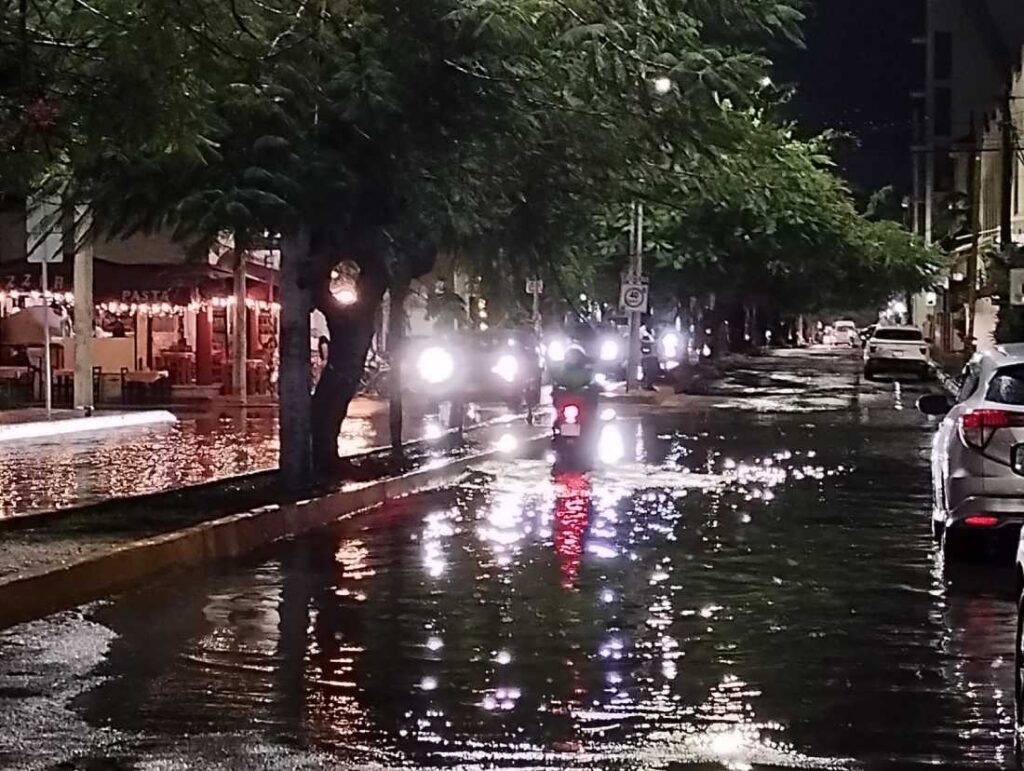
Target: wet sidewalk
x: 88, y: 468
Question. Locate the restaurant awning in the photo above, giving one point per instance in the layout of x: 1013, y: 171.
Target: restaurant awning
x: 178, y: 284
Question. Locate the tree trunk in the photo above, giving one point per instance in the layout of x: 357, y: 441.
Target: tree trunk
x: 737, y: 318
x: 294, y: 381
x: 396, y: 345
x: 351, y: 332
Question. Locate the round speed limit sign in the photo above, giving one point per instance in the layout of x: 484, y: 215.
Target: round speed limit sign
x: 634, y: 297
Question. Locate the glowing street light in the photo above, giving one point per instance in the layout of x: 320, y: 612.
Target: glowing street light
x: 662, y: 85
x: 346, y: 295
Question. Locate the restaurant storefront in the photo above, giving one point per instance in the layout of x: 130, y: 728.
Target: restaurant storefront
x: 161, y: 331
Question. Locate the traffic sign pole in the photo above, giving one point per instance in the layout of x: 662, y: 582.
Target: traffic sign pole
x: 47, y: 363
x: 635, y: 273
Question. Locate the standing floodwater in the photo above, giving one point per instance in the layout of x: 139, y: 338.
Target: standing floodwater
x: 746, y: 588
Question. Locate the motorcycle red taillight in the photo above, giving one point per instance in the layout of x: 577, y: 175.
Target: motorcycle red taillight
x: 570, y: 413
x: 978, y: 426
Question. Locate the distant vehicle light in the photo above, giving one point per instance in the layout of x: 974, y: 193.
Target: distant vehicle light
x: 507, y: 368
x: 609, y: 350
x: 556, y: 350
x: 670, y: 345
x: 436, y: 365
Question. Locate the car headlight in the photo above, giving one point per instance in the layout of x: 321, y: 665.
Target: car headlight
x: 507, y: 367
x: 670, y: 344
x: 436, y: 365
x: 609, y: 350
x: 556, y: 350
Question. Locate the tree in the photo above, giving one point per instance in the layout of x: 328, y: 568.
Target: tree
x: 770, y: 228
x: 383, y: 132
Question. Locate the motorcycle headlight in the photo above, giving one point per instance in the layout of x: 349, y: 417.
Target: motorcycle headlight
x: 436, y: 365
x: 507, y: 367
x: 556, y: 350
x: 609, y: 350
x: 670, y: 345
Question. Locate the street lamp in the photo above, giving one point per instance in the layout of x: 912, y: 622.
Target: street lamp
x: 662, y: 85
x: 346, y: 295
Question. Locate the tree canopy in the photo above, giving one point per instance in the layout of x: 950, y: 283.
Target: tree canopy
x: 510, y: 135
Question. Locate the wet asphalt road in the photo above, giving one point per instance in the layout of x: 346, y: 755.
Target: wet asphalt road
x: 752, y: 585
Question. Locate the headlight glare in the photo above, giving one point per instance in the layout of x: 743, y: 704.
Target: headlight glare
x: 435, y: 365
x: 609, y: 350
x: 507, y: 368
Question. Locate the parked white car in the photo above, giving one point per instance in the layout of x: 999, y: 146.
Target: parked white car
x: 978, y: 451
x: 895, y: 351
x: 845, y: 333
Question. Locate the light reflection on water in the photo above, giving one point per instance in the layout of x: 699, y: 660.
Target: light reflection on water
x: 85, y: 468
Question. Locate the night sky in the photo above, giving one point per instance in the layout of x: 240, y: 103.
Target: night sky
x: 856, y: 75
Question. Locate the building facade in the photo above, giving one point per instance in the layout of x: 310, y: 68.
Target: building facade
x: 967, y: 199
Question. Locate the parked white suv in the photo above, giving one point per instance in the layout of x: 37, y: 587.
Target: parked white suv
x: 978, y: 451
x: 896, y: 350
x: 845, y: 333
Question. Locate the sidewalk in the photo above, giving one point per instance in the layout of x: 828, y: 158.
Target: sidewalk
x: 86, y: 468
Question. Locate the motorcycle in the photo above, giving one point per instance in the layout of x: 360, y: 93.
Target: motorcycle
x: 576, y: 428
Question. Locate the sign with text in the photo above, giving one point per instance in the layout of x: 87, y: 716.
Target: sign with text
x: 534, y: 286
x: 633, y: 297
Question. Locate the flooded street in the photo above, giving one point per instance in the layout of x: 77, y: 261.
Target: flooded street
x: 751, y: 585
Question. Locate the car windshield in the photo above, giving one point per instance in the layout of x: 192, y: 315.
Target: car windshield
x: 1007, y: 386
x: 905, y: 335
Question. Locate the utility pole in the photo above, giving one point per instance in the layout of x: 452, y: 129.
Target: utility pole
x: 1009, y: 164
x: 974, y: 186
x: 636, y: 270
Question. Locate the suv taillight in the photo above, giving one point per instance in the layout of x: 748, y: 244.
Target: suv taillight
x: 978, y: 426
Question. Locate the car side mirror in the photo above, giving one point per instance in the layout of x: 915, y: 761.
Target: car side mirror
x: 935, y: 405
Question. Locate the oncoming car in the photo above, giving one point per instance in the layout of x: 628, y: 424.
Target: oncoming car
x: 978, y: 450
x: 895, y: 351
x: 605, y: 344
x: 496, y: 366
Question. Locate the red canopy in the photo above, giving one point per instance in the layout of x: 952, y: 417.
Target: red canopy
x: 162, y: 283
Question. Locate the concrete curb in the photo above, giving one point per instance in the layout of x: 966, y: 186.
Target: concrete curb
x: 47, y: 591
